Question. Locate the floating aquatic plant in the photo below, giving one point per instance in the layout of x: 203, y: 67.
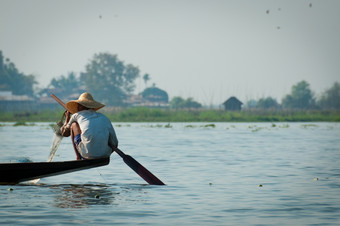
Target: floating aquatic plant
x: 305, y: 126
x: 23, y: 124
x: 204, y: 126
x: 168, y: 126
x: 284, y: 126
x: 125, y: 125
x: 209, y: 125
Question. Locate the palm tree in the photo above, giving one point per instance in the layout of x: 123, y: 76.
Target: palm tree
x: 146, y: 78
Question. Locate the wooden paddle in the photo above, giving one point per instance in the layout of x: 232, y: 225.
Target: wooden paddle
x: 131, y: 162
x: 138, y: 168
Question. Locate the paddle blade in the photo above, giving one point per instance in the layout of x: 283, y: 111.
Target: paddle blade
x: 142, y: 171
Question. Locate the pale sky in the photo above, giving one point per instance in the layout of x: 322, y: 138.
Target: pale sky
x: 205, y: 49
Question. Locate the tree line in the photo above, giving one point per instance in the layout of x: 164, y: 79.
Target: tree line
x: 301, y: 97
x: 13, y: 80
x: 112, y: 81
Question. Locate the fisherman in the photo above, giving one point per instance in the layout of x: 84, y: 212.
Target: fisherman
x: 92, y: 133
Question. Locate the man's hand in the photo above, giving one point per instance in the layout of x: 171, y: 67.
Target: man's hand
x: 67, y: 116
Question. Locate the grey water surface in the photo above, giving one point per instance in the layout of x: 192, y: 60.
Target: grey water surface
x: 216, y: 174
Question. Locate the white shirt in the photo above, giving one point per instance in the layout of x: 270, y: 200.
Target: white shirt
x: 96, y: 133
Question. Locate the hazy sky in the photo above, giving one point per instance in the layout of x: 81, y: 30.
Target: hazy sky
x: 205, y: 49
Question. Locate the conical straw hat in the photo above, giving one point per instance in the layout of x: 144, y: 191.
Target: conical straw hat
x: 86, y: 100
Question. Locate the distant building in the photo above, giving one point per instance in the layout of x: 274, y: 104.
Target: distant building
x: 154, y: 94
x: 48, y: 103
x: 10, y: 102
x: 24, y: 103
x: 139, y: 101
x: 232, y: 104
x: 151, y: 97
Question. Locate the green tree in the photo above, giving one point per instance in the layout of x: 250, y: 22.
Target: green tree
x: 109, y: 79
x: 180, y: 103
x: 190, y: 103
x: 155, y: 94
x: 12, y: 80
x: 64, y: 86
x: 267, y: 103
x: 176, y: 102
x: 301, y: 97
x: 251, y: 104
x: 330, y: 99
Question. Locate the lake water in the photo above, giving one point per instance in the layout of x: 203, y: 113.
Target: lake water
x: 230, y: 174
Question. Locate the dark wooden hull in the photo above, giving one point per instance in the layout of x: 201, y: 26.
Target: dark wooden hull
x: 13, y: 173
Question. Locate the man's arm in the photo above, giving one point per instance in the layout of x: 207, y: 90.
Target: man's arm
x: 113, y: 141
x: 65, y: 130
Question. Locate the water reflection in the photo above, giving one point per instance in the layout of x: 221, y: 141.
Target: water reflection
x: 82, y: 195
x: 86, y: 195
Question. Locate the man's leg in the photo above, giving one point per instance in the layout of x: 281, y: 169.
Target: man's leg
x: 75, y: 131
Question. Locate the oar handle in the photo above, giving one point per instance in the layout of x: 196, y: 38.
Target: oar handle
x: 119, y: 152
x: 59, y: 101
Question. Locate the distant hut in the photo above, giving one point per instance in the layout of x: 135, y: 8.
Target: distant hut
x: 232, y: 104
x: 154, y: 94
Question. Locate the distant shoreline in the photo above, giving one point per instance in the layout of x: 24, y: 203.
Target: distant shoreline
x: 166, y: 115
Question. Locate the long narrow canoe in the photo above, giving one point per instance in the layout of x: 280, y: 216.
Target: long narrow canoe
x: 13, y: 173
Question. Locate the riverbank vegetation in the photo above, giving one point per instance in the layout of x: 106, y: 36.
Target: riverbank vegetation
x: 206, y: 115
x: 112, y: 82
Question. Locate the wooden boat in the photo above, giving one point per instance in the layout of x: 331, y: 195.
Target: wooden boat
x: 13, y: 173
